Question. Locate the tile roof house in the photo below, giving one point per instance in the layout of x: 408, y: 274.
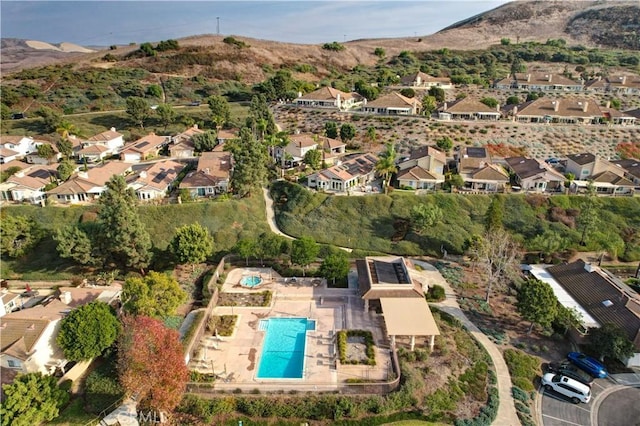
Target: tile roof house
x: 471, y: 158
x: 227, y: 135
x: 539, y: 81
x: 144, y: 148
x: 606, y: 177
x: 101, y: 146
x: 618, y: 84
x: 631, y: 169
x: 10, y: 302
x: 87, y: 186
x: 474, y: 165
x: 566, y: 110
x: 393, y: 104
x: 423, y: 170
x: 28, y: 184
x: 356, y: 171
x: 605, y: 298
x: 328, y: 97
x: 422, y: 80
x: 15, y: 147
x: 468, y: 109
x: 293, y: 154
x: 533, y: 175
x: 614, y: 116
x: 156, y: 181
x: 182, y: 146
x: 34, y: 158
x: 212, y: 175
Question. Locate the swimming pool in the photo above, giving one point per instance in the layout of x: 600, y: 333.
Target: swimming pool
x: 251, y: 281
x: 284, y: 347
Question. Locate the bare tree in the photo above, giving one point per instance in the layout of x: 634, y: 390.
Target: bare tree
x: 498, y: 254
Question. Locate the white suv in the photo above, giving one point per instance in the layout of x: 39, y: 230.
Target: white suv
x: 576, y: 391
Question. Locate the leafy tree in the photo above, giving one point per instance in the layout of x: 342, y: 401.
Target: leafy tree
x: 498, y: 255
x: 588, y: 220
x: 366, y: 90
x: 154, y: 295
x: 46, y: 151
x: 167, y: 114
x: 5, y: 112
x: 250, y: 169
x: 548, y: 243
x: 331, y: 129
x: 424, y: 216
x: 445, y: 143
x: 532, y: 96
x: 347, y: 132
x: 151, y: 363
x: 147, y: 49
x: 261, y: 117
x: 268, y: 245
x: 453, y: 180
x: 8, y: 172
x: 220, y: 110
x: 537, y: 303
x: 495, y: 212
x: 372, y: 135
x: 313, y: 158
x: 304, y: 251
x: 386, y: 165
x: 566, y: 318
x: 139, y: 110
x: 438, y: 93
x: 19, y: 235
x: 125, y: 240
x: 379, y: 52
x: 165, y: 45
x: 50, y: 118
x: 75, y: 243
x: 429, y: 105
x: 65, y: 147
x: 505, y: 41
x: 205, y: 141
x: 513, y: 100
x: 490, y: 102
x: 335, y: 265
x: 408, y: 92
x: 610, y: 341
x: 246, y: 248
x: 192, y: 244
x: 154, y: 91
x: 87, y: 331
x: 615, y: 103
x: 335, y: 46
x: 32, y: 399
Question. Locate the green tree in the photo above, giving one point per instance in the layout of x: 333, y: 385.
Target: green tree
x: 32, y: 399
x: 537, y: 303
x: 566, y: 318
x: 155, y: 295
x: 87, y: 331
x: 246, y: 248
x: 192, y: 244
x: 495, y: 213
x: 139, y: 110
x: 347, y: 132
x: 167, y: 115
x: 50, y: 118
x: 610, y: 341
x: 589, y: 218
x: 19, y: 235
x: 250, y: 169
x: 379, y: 52
x: 513, y: 100
x: 65, y: 147
x: 46, y: 151
x: 408, y: 92
x: 453, y: 180
x: 268, y: 246
x: 490, y: 102
x: 548, y: 243
x: 372, y: 135
x: 429, y: 105
x: 335, y: 265
x: 260, y: 118
x: 205, y: 141
x: 424, y: 216
x: 5, y: 112
x: 125, y: 240
x: 331, y: 129
x: 445, y: 143
x: 505, y: 41
x: 220, y: 110
x: 155, y: 91
x: 65, y: 169
x: 75, y: 243
x: 65, y: 129
x: 313, y: 158
x: 304, y: 251
x: 438, y: 93
x: 386, y: 165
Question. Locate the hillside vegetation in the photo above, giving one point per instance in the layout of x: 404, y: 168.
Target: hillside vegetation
x: 382, y: 223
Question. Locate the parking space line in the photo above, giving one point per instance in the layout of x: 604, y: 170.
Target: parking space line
x: 563, y: 399
x: 599, y: 385
x: 561, y: 420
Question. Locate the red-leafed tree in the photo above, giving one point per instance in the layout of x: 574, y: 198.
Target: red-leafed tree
x: 151, y: 363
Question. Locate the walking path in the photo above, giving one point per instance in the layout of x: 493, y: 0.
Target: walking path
x: 506, y: 410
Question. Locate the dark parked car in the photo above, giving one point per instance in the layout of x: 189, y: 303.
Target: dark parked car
x: 588, y: 364
x: 195, y: 103
x: 569, y: 370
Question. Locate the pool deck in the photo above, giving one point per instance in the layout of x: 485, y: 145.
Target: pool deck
x: 235, y: 359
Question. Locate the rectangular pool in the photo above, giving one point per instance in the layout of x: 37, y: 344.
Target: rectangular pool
x: 284, y: 347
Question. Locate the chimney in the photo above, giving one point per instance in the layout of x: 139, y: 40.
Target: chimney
x: 623, y: 79
x: 608, y: 105
x: 299, y: 94
x: 556, y: 105
x: 113, y: 129
x: 206, y: 171
x: 338, y: 100
x: 65, y: 297
x: 498, y: 107
x: 589, y: 267
x: 515, y: 110
x: 550, y: 76
x: 528, y: 78
x: 143, y: 174
x: 83, y: 175
x: 584, y: 108
x: 444, y: 107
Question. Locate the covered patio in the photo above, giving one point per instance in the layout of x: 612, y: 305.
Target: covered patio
x: 408, y: 317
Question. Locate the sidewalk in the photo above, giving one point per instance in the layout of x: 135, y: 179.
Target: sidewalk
x: 506, y: 410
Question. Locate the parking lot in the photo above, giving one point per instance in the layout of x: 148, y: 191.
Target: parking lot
x: 613, y: 403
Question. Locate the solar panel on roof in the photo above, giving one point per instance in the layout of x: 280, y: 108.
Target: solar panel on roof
x: 160, y: 176
x: 476, y: 152
x: 142, y: 144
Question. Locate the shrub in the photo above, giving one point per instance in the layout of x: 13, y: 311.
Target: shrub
x: 102, y: 389
x: 334, y: 46
x: 523, y: 368
x: 370, y: 351
x: 520, y: 395
x: 435, y: 293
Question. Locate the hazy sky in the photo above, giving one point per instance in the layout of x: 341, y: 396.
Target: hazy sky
x: 121, y: 22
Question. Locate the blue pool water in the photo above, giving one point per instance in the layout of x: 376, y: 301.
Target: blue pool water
x: 251, y: 281
x: 284, y: 346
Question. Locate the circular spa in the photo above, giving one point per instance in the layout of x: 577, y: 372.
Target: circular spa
x: 251, y: 281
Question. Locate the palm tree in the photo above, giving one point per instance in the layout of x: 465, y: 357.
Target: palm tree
x: 66, y: 128
x: 386, y: 165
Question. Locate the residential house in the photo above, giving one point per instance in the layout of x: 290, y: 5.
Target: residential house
x: 328, y: 97
x: 28, y: 184
x: 225, y: 135
x: 474, y: 165
x: 386, y: 283
x: 332, y: 150
x: 34, y: 158
x: 606, y: 177
x: 539, y: 81
x: 10, y: 302
x: 94, y: 153
x: 614, y: 116
x: 293, y: 153
x: 156, y: 181
x: 182, y: 145
x: 144, y: 148
x: 598, y: 296
x: 357, y: 171
x: 617, y: 84
x: 533, y: 175
x: 212, y: 175
x: 425, y: 81
x: 100, y: 146
x: 393, y: 104
x: 86, y: 186
x: 565, y: 111
x: 15, y: 147
x: 423, y: 170
x: 631, y: 169
x: 468, y: 109
x: 470, y: 158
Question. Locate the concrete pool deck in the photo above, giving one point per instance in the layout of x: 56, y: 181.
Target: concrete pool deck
x: 235, y: 359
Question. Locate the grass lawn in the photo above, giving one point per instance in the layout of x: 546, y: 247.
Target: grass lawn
x: 74, y: 415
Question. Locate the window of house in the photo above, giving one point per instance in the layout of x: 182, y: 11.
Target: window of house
x: 13, y: 364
